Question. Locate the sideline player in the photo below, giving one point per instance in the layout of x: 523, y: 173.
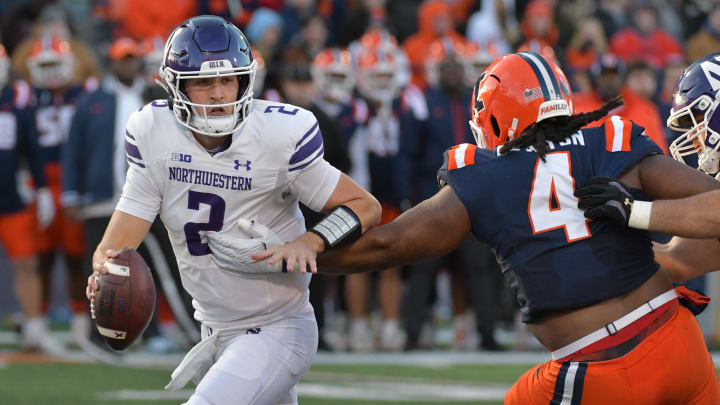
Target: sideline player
x: 51, y: 64
x: 18, y: 140
x: 590, y: 291
x: 695, y: 112
x: 204, y: 159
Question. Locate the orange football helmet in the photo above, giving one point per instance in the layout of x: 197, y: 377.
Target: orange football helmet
x: 333, y: 74
x: 514, y: 92
x: 378, y: 76
x: 51, y: 62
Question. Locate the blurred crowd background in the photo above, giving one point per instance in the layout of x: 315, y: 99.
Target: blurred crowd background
x: 390, y: 83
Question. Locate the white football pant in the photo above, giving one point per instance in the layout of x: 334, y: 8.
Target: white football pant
x: 260, y: 366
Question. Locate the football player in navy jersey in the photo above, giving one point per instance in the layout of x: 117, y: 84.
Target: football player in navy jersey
x: 51, y: 64
x: 695, y: 112
x: 18, y: 141
x: 590, y: 291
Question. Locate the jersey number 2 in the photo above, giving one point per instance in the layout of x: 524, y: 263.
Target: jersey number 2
x: 552, y: 204
x: 215, y: 221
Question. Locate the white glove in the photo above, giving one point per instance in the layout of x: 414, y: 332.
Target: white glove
x: 232, y: 249
x: 45, y: 207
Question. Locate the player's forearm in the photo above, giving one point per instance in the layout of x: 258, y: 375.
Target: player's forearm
x: 692, y: 217
x: 124, y: 230
x: 685, y: 259
x: 376, y: 249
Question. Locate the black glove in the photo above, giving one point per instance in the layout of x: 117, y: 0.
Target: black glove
x: 605, y: 197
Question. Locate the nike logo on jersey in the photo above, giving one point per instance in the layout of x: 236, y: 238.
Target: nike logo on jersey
x: 238, y: 165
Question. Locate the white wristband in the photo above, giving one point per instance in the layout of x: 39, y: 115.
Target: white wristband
x: 640, y: 215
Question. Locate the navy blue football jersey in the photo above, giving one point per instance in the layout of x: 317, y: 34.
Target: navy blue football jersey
x: 17, y: 141
x: 552, y: 256
x: 52, y: 119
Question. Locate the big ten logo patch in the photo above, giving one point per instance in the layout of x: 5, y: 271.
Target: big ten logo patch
x: 181, y: 157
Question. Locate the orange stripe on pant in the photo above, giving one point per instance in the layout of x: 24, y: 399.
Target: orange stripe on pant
x: 671, y: 366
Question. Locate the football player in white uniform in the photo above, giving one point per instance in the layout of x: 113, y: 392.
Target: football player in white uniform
x: 206, y: 158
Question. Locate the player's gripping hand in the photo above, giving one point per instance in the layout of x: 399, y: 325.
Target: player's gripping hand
x: 302, y: 251
x: 232, y: 250
x: 98, y: 264
x: 605, y: 197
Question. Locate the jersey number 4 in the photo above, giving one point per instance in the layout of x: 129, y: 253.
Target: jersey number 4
x: 552, y: 204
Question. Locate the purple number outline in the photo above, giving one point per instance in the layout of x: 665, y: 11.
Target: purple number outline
x: 281, y: 109
x: 215, y: 221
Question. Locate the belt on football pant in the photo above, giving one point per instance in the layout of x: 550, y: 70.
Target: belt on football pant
x: 615, y: 326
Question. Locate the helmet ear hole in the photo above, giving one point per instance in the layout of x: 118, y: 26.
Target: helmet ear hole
x: 495, y: 126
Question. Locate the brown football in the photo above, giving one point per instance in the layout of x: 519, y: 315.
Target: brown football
x: 125, y: 302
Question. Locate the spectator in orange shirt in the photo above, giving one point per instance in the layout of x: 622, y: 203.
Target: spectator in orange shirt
x: 143, y: 19
x: 644, y: 40
x: 434, y: 21
x: 607, y: 76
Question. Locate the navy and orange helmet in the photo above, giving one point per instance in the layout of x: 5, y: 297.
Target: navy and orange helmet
x: 515, y: 92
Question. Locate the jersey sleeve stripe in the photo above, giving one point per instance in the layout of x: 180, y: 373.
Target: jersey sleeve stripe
x: 319, y: 154
x: 617, y: 134
x: 461, y: 155
x: 627, y: 133
x: 129, y: 135
x: 310, y: 147
x: 308, y: 133
x: 132, y: 150
x: 129, y: 159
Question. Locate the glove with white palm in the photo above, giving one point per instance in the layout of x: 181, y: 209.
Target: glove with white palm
x: 232, y: 249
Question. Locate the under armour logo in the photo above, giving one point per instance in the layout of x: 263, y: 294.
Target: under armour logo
x: 119, y: 334
x: 627, y: 201
x: 254, y: 331
x: 246, y: 165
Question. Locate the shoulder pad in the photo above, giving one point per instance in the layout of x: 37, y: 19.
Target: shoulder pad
x: 413, y: 100
x: 307, y: 142
x: 361, y: 114
x: 141, y: 121
x: 618, y: 132
x: 22, y: 94
x: 91, y: 84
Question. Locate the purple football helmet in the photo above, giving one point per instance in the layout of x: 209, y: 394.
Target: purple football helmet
x: 695, y: 112
x: 208, y: 46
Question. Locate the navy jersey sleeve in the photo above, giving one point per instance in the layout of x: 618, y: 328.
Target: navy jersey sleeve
x: 463, y: 170
x: 624, y: 144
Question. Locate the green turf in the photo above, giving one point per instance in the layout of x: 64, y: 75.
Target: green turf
x: 78, y: 384
x: 81, y: 384
x: 488, y: 374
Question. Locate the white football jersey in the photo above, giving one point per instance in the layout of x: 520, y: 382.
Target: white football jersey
x: 274, y: 161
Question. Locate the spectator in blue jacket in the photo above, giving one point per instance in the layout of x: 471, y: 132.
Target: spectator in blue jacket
x: 421, y: 150
x: 93, y: 158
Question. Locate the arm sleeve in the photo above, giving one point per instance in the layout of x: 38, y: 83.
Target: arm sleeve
x: 71, y: 161
x: 142, y: 194
x: 312, y: 178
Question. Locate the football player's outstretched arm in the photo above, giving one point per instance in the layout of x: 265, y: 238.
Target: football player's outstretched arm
x: 687, y: 202
x: 124, y: 230
x: 685, y: 259
x: 432, y: 228
x: 303, y: 250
